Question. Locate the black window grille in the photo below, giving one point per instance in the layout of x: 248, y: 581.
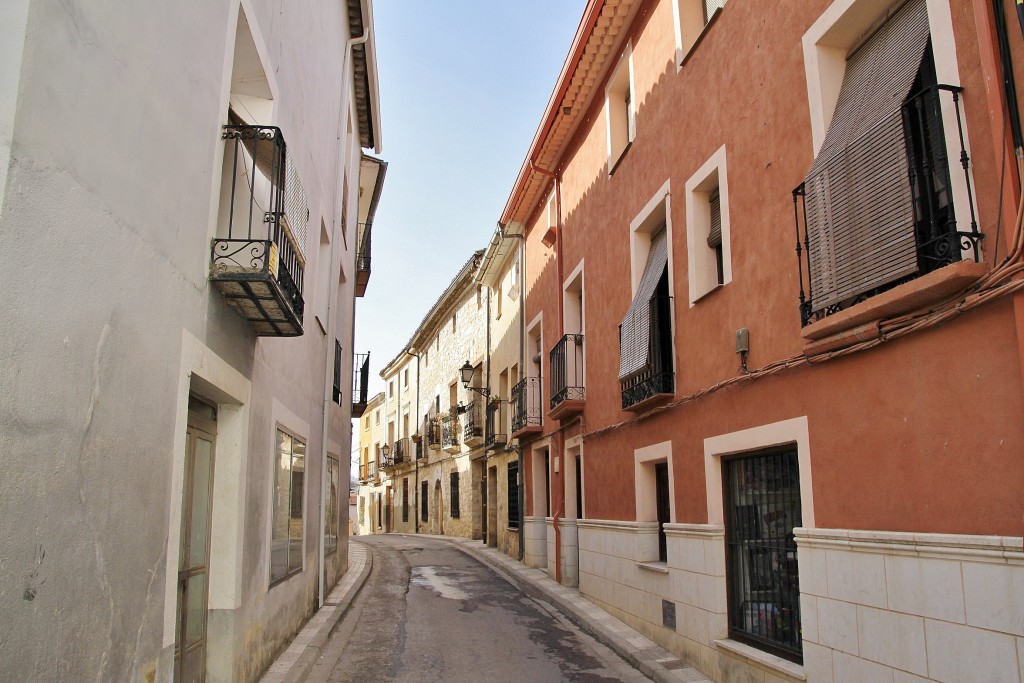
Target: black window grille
x: 454, y: 504
x: 423, y: 501
x: 513, y: 495
x: 405, y: 499
x: 762, y: 506
x: 664, y: 509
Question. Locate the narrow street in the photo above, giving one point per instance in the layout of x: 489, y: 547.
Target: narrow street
x: 428, y: 612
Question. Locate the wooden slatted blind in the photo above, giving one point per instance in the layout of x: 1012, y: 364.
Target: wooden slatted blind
x: 715, y: 231
x: 860, y: 218
x: 635, y: 331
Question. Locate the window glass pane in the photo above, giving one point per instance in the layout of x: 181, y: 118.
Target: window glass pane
x: 195, y: 614
x: 296, y: 504
x: 282, y: 489
x: 200, y: 513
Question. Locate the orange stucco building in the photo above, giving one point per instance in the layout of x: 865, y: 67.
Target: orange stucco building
x: 778, y: 336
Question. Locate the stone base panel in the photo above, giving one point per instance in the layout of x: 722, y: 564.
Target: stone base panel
x: 876, y: 606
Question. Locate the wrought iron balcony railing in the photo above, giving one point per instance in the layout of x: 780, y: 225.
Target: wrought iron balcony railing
x: 258, y: 266
x: 497, y: 420
x: 401, y: 453
x: 360, y: 383
x: 432, y: 430
x: 885, y: 227
x: 450, y: 432
x: 658, y: 377
x: 526, y: 407
x: 567, y: 386
x: 473, y: 416
x: 363, y: 243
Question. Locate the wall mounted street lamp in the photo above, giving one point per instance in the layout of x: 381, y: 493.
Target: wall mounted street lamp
x: 466, y: 373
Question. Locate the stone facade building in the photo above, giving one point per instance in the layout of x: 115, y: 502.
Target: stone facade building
x: 372, y: 484
x: 186, y: 208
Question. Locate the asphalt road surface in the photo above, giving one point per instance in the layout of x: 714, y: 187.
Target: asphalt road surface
x: 429, y: 612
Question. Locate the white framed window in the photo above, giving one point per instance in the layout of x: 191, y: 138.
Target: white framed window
x: 620, y: 109
x: 654, y: 497
x: 691, y: 18
x: 708, y: 228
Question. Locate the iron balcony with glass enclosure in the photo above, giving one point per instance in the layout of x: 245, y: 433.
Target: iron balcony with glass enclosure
x: 526, y: 408
x: 257, y: 259
x: 360, y: 383
x: 567, y: 386
x: 496, y: 421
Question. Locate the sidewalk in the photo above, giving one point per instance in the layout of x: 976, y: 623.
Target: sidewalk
x: 294, y: 665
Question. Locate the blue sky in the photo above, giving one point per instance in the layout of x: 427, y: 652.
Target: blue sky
x: 463, y: 84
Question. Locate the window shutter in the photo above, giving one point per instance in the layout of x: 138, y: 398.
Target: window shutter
x: 860, y: 217
x: 715, y: 232
x: 635, y: 331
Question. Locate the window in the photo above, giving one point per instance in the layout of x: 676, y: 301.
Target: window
x: 453, y: 323
x: 366, y: 423
x: 620, y: 109
x: 662, y: 503
x: 333, y: 511
x: 391, y: 388
x: 286, y: 530
x: 376, y: 417
x: 645, y: 335
x: 405, y: 499
x: 878, y: 201
x: 692, y: 16
x: 405, y: 378
x: 497, y: 302
x: 454, y: 495
x: 512, y: 494
x: 708, y: 228
x: 762, y: 506
x: 423, y: 501
x: 479, y: 297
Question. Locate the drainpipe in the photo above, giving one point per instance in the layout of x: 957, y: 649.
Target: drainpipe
x: 331, y: 324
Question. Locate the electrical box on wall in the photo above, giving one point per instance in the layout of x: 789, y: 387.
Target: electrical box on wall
x: 742, y: 340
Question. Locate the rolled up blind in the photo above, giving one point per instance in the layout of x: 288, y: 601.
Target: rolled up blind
x: 715, y: 232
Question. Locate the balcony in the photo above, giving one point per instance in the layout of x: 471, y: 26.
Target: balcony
x: 360, y: 382
x: 372, y: 475
x: 497, y: 418
x: 655, y: 383
x: 450, y: 432
x: 473, y: 432
x: 567, y: 387
x: 258, y: 266
x: 402, y: 452
x: 363, y: 258
x: 364, y: 473
x: 880, y: 214
x: 526, y: 411
x: 432, y: 431
x: 371, y: 181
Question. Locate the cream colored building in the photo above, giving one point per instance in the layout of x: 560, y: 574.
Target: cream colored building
x: 435, y: 426
x: 372, y: 487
